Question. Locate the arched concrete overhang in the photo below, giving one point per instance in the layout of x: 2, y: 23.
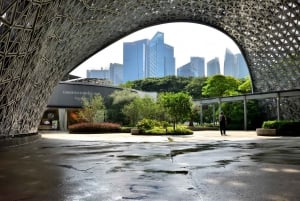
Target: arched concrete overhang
x: 42, y: 40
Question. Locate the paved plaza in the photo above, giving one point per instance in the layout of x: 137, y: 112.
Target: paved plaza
x: 115, y: 167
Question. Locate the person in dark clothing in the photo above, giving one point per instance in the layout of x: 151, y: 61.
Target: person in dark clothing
x: 222, y: 123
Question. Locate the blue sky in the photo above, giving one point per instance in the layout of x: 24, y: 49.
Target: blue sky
x: 188, y: 39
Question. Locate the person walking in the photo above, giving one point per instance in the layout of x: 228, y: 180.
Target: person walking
x: 222, y: 123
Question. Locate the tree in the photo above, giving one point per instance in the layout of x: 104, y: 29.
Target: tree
x: 195, y: 114
x: 220, y: 85
x: 140, y: 108
x: 177, y: 105
x: 245, y: 86
x: 117, y: 100
x: 161, y: 84
x: 194, y: 87
x: 93, y: 109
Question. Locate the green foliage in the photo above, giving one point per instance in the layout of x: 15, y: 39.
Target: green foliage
x: 156, y: 131
x: 275, y: 124
x: 180, y: 130
x: 234, y: 112
x: 162, y: 84
x: 93, y: 109
x: 246, y: 86
x: 87, y: 127
x: 147, y: 124
x: 219, y: 85
x: 140, y: 108
x: 128, y: 85
x: 177, y: 105
x: 283, y: 127
x: 154, y: 127
x: 195, y: 114
x: 169, y: 131
x: 116, y: 102
x: 194, y: 87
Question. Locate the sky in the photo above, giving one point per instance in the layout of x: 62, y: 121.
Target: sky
x: 188, y: 40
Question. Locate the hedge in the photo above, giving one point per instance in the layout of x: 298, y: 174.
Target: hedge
x: 104, y: 127
x: 284, y: 127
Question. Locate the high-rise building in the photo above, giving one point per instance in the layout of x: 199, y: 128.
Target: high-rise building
x: 197, y: 65
x: 185, y: 71
x: 156, y: 56
x: 235, y: 65
x: 116, y: 73
x: 148, y: 58
x: 242, y: 69
x: 102, y: 74
x: 195, y: 68
x: 161, y: 57
x: 229, y: 64
x: 213, y: 67
x: 169, y: 61
x: 135, y: 60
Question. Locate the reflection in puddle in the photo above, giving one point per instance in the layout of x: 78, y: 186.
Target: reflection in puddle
x: 278, y: 157
x: 184, y: 172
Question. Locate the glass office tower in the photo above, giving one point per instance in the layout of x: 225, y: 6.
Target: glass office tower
x: 229, y: 64
x: 195, y: 68
x: 148, y: 58
x: 157, y: 53
x: 197, y: 65
x: 185, y: 71
x: 242, y: 68
x: 135, y: 60
x: 169, y: 61
x: 213, y: 67
x: 116, y: 73
x: 101, y: 74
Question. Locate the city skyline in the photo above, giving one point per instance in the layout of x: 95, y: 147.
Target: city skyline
x: 188, y: 39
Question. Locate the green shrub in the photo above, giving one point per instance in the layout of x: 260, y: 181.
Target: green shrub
x: 283, y: 127
x: 156, y: 131
x: 147, y: 124
x: 104, y: 127
x: 275, y: 124
x: 180, y: 131
x: 169, y: 131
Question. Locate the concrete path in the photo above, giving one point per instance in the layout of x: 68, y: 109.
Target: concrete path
x: 117, y: 167
x: 198, y: 136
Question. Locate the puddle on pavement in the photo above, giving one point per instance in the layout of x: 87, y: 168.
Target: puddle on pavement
x: 224, y: 163
x: 280, y: 156
x: 198, y: 148
x: 184, y: 172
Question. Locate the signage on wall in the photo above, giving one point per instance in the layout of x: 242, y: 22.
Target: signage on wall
x: 69, y: 95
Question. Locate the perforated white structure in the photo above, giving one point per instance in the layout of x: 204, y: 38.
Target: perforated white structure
x: 42, y: 40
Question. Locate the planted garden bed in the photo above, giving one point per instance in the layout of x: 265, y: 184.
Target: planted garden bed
x: 90, y: 128
x: 279, y: 128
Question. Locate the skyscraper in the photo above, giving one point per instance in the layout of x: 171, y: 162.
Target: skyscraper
x: 161, y: 57
x: 116, y: 73
x: 229, y: 64
x: 213, y: 67
x: 169, y: 61
x: 101, y: 74
x: 197, y: 64
x: 156, y: 56
x: 135, y: 60
x: 195, y: 68
x: 148, y: 58
x: 185, y: 71
x: 235, y: 65
x: 242, y: 69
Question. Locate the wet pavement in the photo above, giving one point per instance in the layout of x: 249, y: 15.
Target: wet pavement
x: 205, y: 166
